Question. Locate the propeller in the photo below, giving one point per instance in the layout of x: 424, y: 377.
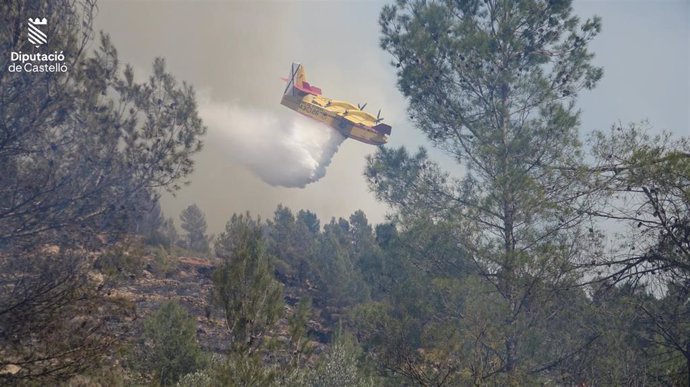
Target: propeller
x: 361, y: 107
x: 378, y: 117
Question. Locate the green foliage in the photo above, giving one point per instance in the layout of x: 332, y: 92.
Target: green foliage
x: 456, y: 60
x: 292, y: 240
x: 241, y: 369
x: 309, y: 220
x: 168, y: 233
x: 243, y: 286
x: 340, y: 366
x: 122, y: 260
x: 366, y: 253
x: 99, y: 143
x: 163, y: 263
x: 297, y: 330
x: 196, y: 379
x: 171, y: 347
x: 194, y: 223
x: 147, y: 217
x: 493, y: 84
x: 650, y: 174
x: 336, y: 266
x: 329, y: 265
x: 431, y: 310
x: 667, y: 324
x: 78, y: 149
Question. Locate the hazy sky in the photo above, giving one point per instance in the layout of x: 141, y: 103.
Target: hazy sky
x: 234, y: 53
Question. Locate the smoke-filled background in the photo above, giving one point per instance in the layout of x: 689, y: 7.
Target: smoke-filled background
x: 235, y: 52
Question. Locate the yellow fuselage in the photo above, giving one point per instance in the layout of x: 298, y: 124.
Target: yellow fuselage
x: 344, y: 117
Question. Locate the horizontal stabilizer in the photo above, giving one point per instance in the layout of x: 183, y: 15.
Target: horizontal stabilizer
x: 307, y: 88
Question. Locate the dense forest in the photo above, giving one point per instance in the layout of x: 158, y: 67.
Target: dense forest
x: 557, y: 257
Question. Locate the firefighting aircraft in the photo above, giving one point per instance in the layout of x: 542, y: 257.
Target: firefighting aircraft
x: 350, y: 120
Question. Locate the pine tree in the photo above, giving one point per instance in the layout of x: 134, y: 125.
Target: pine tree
x: 243, y: 286
x: 493, y: 84
x: 169, y: 232
x: 193, y: 222
x: 340, y: 366
x: 340, y: 283
x: 297, y: 329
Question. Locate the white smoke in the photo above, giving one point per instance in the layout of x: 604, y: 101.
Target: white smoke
x: 289, y: 154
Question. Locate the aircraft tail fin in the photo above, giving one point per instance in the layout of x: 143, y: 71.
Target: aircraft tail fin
x: 297, y: 81
x: 292, y: 77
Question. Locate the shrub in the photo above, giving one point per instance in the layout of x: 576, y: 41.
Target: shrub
x: 171, y: 348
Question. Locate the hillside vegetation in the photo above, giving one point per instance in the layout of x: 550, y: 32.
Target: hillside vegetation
x: 548, y: 261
